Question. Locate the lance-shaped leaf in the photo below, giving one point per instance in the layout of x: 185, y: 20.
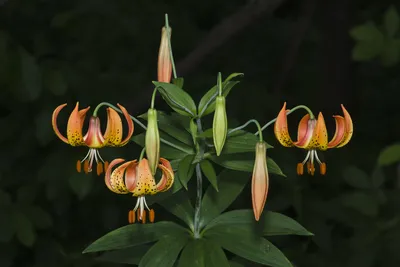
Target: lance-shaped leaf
x: 240, y: 142
x: 231, y: 184
x: 244, y: 162
x: 207, y: 102
x: 186, y: 169
x: 164, y: 252
x: 177, y: 99
x: 202, y: 253
x: 131, y: 255
x: 135, y: 234
x: 270, y: 224
x: 242, y: 241
x: 208, y: 170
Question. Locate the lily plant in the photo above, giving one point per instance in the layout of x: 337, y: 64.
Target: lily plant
x: 177, y: 146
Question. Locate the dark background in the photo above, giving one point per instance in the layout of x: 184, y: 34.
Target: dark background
x: 318, y: 53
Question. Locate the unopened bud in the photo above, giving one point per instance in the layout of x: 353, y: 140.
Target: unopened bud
x: 260, y: 180
x: 152, y: 140
x: 220, y: 124
x: 164, y: 59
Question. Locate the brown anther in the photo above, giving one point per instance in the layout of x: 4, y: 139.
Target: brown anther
x: 131, y: 216
x: 78, y: 166
x: 105, y: 166
x: 151, y: 215
x: 300, y: 169
x: 99, y: 168
x: 86, y: 166
x: 144, y: 216
x: 312, y: 169
x: 322, y: 168
x: 308, y: 167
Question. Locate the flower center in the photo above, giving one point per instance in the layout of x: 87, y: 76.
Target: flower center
x: 91, y: 156
x: 309, y: 161
x: 139, y: 211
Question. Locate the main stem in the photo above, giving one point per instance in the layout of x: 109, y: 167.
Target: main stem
x: 199, y: 180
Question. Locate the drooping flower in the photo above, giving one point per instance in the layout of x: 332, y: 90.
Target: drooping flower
x: 164, y: 59
x: 312, y: 136
x: 260, y: 180
x: 136, y: 178
x: 94, y: 138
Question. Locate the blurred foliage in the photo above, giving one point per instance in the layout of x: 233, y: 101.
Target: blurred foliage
x: 59, y: 52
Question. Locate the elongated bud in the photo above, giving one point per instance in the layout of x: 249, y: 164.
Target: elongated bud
x: 164, y: 59
x: 220, y: 124
x: 152, y: 140
x: 260, y: 180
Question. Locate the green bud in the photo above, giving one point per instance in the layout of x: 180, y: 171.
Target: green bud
x: 152, y: 140
x: 220, y: 124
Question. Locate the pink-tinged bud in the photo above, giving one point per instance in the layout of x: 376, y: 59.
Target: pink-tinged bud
x: 164, y: 59
x: 260, y: 180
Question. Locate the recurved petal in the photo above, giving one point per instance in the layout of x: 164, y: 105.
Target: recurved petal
x: 115, y: 179
x: 54, y: 123
x: 113, y: 133
x: 130, y: 125
x: 131, y: 175
x: 320, y: 136
x: 260, y: 181
x: 305, y: 131
x: 281, y: 129
x: 339, y: 132
x: 167, y: 178
x: 348, y: 132
x: 145, y: 183
x: 75, y: 124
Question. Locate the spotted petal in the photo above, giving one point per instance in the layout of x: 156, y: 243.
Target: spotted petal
x: 75, y: 124
x: 144, y: 183
x: 281, y: 129
x: 167, y: 178
x: 320, y: 136
x: 113, y: 134
x: 115, y: 179
x: 344, y: 130
x: 54, y: 123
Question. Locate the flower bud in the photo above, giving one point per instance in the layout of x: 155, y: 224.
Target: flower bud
x: 260, y: 180
x: 152, y: 140
x: 164, y: 59
x: 220, y: 124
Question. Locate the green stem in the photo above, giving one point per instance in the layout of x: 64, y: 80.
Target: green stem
x: 219, y: 84
x: 247, y: 123
x: 170, y: 47
x: 199, y: 189
x: 142, y: 125
x: 142, y: 153
x: 287, y: 113
x: 153, y: 97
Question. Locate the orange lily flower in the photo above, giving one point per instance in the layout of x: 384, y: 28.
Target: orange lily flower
x: 136, y: 178
x: 312, y: 136
x: 94, y: 138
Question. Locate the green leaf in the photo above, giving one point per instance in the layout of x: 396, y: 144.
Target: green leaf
x: 270, y: 224
x: 208, y: 170
x: 193, y: 130
x: 135, y: 234
x: 244, y: 162
x: 170, y: 126
x: 378, y: 177
x: 130, y: 255
x: 362, y: 202
x: 177, y: 99
x: 202, y: 253
x: 31, y: 76
x: 178, y: 82
x: 179, y: 205
x: 163, y: 195
x: 236, y: 264
x: 23, y: 228
x: 391, y: 53
x: 231, y: 184
x: 391, y: 21
x: 164, y: 252
x: 389, y: 155
x: 240, y: 142
x: 185, y: 170
x: 166, y: 151
x: 40, y: 218
x: 365, y: 51
x: 242, y: 241
x: 356, y: 178
x: 206, y: 133
x: 207, y: 102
